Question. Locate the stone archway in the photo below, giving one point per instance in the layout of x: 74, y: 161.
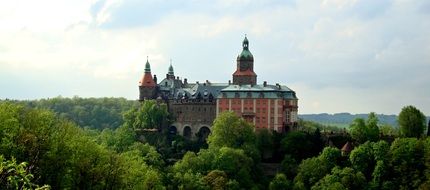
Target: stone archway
x: 187, y: 132
x: 203, y: 133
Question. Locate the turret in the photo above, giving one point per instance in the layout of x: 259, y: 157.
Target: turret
x: 146, y: 84
x: 244, y: 73
x: 170, y: 73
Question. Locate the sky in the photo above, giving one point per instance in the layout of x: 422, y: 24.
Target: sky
x: 356, y: 56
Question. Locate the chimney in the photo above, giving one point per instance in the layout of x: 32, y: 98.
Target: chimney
x: 177, y: 77
x: 229, y: 82
x: 167, y: 76
x: 265, y: 83
x: 197, y: 82
x: 155, y: 79
x: 185, y: 81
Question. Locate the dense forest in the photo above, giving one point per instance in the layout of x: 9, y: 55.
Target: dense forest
x: 113, y: 143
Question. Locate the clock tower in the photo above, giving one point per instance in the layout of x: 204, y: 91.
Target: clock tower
x: 244, y: 74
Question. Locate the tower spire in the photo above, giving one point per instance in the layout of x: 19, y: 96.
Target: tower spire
x: 147, y: 66
x: 244, y: 73
x: 170, y: 72
x: 245, y: 43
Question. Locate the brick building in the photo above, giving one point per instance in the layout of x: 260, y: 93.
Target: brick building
x: 195, y: 105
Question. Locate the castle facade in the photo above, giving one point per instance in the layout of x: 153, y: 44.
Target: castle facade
x: 194, y: 106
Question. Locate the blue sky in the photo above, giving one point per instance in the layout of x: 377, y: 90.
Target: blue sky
x: 352, y: 56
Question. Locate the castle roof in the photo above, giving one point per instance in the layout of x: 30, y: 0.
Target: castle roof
x: 177, y: 90
x: 257, y: 91
x: 205, y: 90
x: 347, y: 148
x: 170, y: 72
x: 147, y: 80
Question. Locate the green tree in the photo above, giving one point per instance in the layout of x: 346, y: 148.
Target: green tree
x: 372, y: 127
x: 289, y: 166
x: 311, y: 170
x: 265, y: 143
x: 298, y: 144
x: 229, y: 130
x: 408, y: 157
x: 412, y: 122
x: 149, y: 115
x: 362, y: 159
x: 389, y: 130
x: 345, y: 178
x: 15, y: 176
x: 280, y: 182
x: 358, y: 130
x: 65, y: 156
x: 95, y: 113
x: 236, y: 164
x: 363, y: 131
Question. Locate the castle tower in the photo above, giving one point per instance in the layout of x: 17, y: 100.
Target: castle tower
x: 244, y: 73
x: 146, y: 84
x: 170, y: 74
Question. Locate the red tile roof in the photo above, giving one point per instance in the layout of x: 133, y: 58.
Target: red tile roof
x: 147, y: 80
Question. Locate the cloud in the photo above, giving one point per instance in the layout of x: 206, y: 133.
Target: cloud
x: 357, y: 55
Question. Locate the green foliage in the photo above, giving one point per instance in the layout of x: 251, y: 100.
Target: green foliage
x: 229, y: 130
x: 119, y: 140
x: 412, y: 122
x: 280, y: 182
x: 389, y: 130
x: 345, y: 178
x: 289, y: 166
x: 362, y: 159
x: 408, y: 156
x: 228, y: 162
x: 96, y: 113
x: 189, y: 180
x: 265, y: 143
x: 235, y: 163
x: 64, y: 156
x: 311, y: 170
x: 299, y: 145
x: 362, y: 131
x: 311, y: 126
x: 15, y: 176
x: 40, y: 147
x: 149, y: 115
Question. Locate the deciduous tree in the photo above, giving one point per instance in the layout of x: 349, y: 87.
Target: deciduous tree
x: 412, y: 122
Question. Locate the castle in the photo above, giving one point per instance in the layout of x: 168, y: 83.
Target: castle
x: 194, y: 106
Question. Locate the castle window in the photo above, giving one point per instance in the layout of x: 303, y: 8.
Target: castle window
x: 236, y: 95
x: 261, y: 95
x: 249, y: 94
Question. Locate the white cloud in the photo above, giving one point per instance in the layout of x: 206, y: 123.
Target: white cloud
x: 105, y: 13
x: 345, y: 49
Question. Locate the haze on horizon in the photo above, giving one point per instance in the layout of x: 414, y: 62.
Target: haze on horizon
x: 352, y: 56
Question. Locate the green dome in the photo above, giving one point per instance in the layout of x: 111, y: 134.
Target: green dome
x: 171, y: 70
x: 246, y: 54
x: 147, y: 66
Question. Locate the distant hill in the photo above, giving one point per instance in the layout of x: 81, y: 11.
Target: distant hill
x: 344, y: 119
